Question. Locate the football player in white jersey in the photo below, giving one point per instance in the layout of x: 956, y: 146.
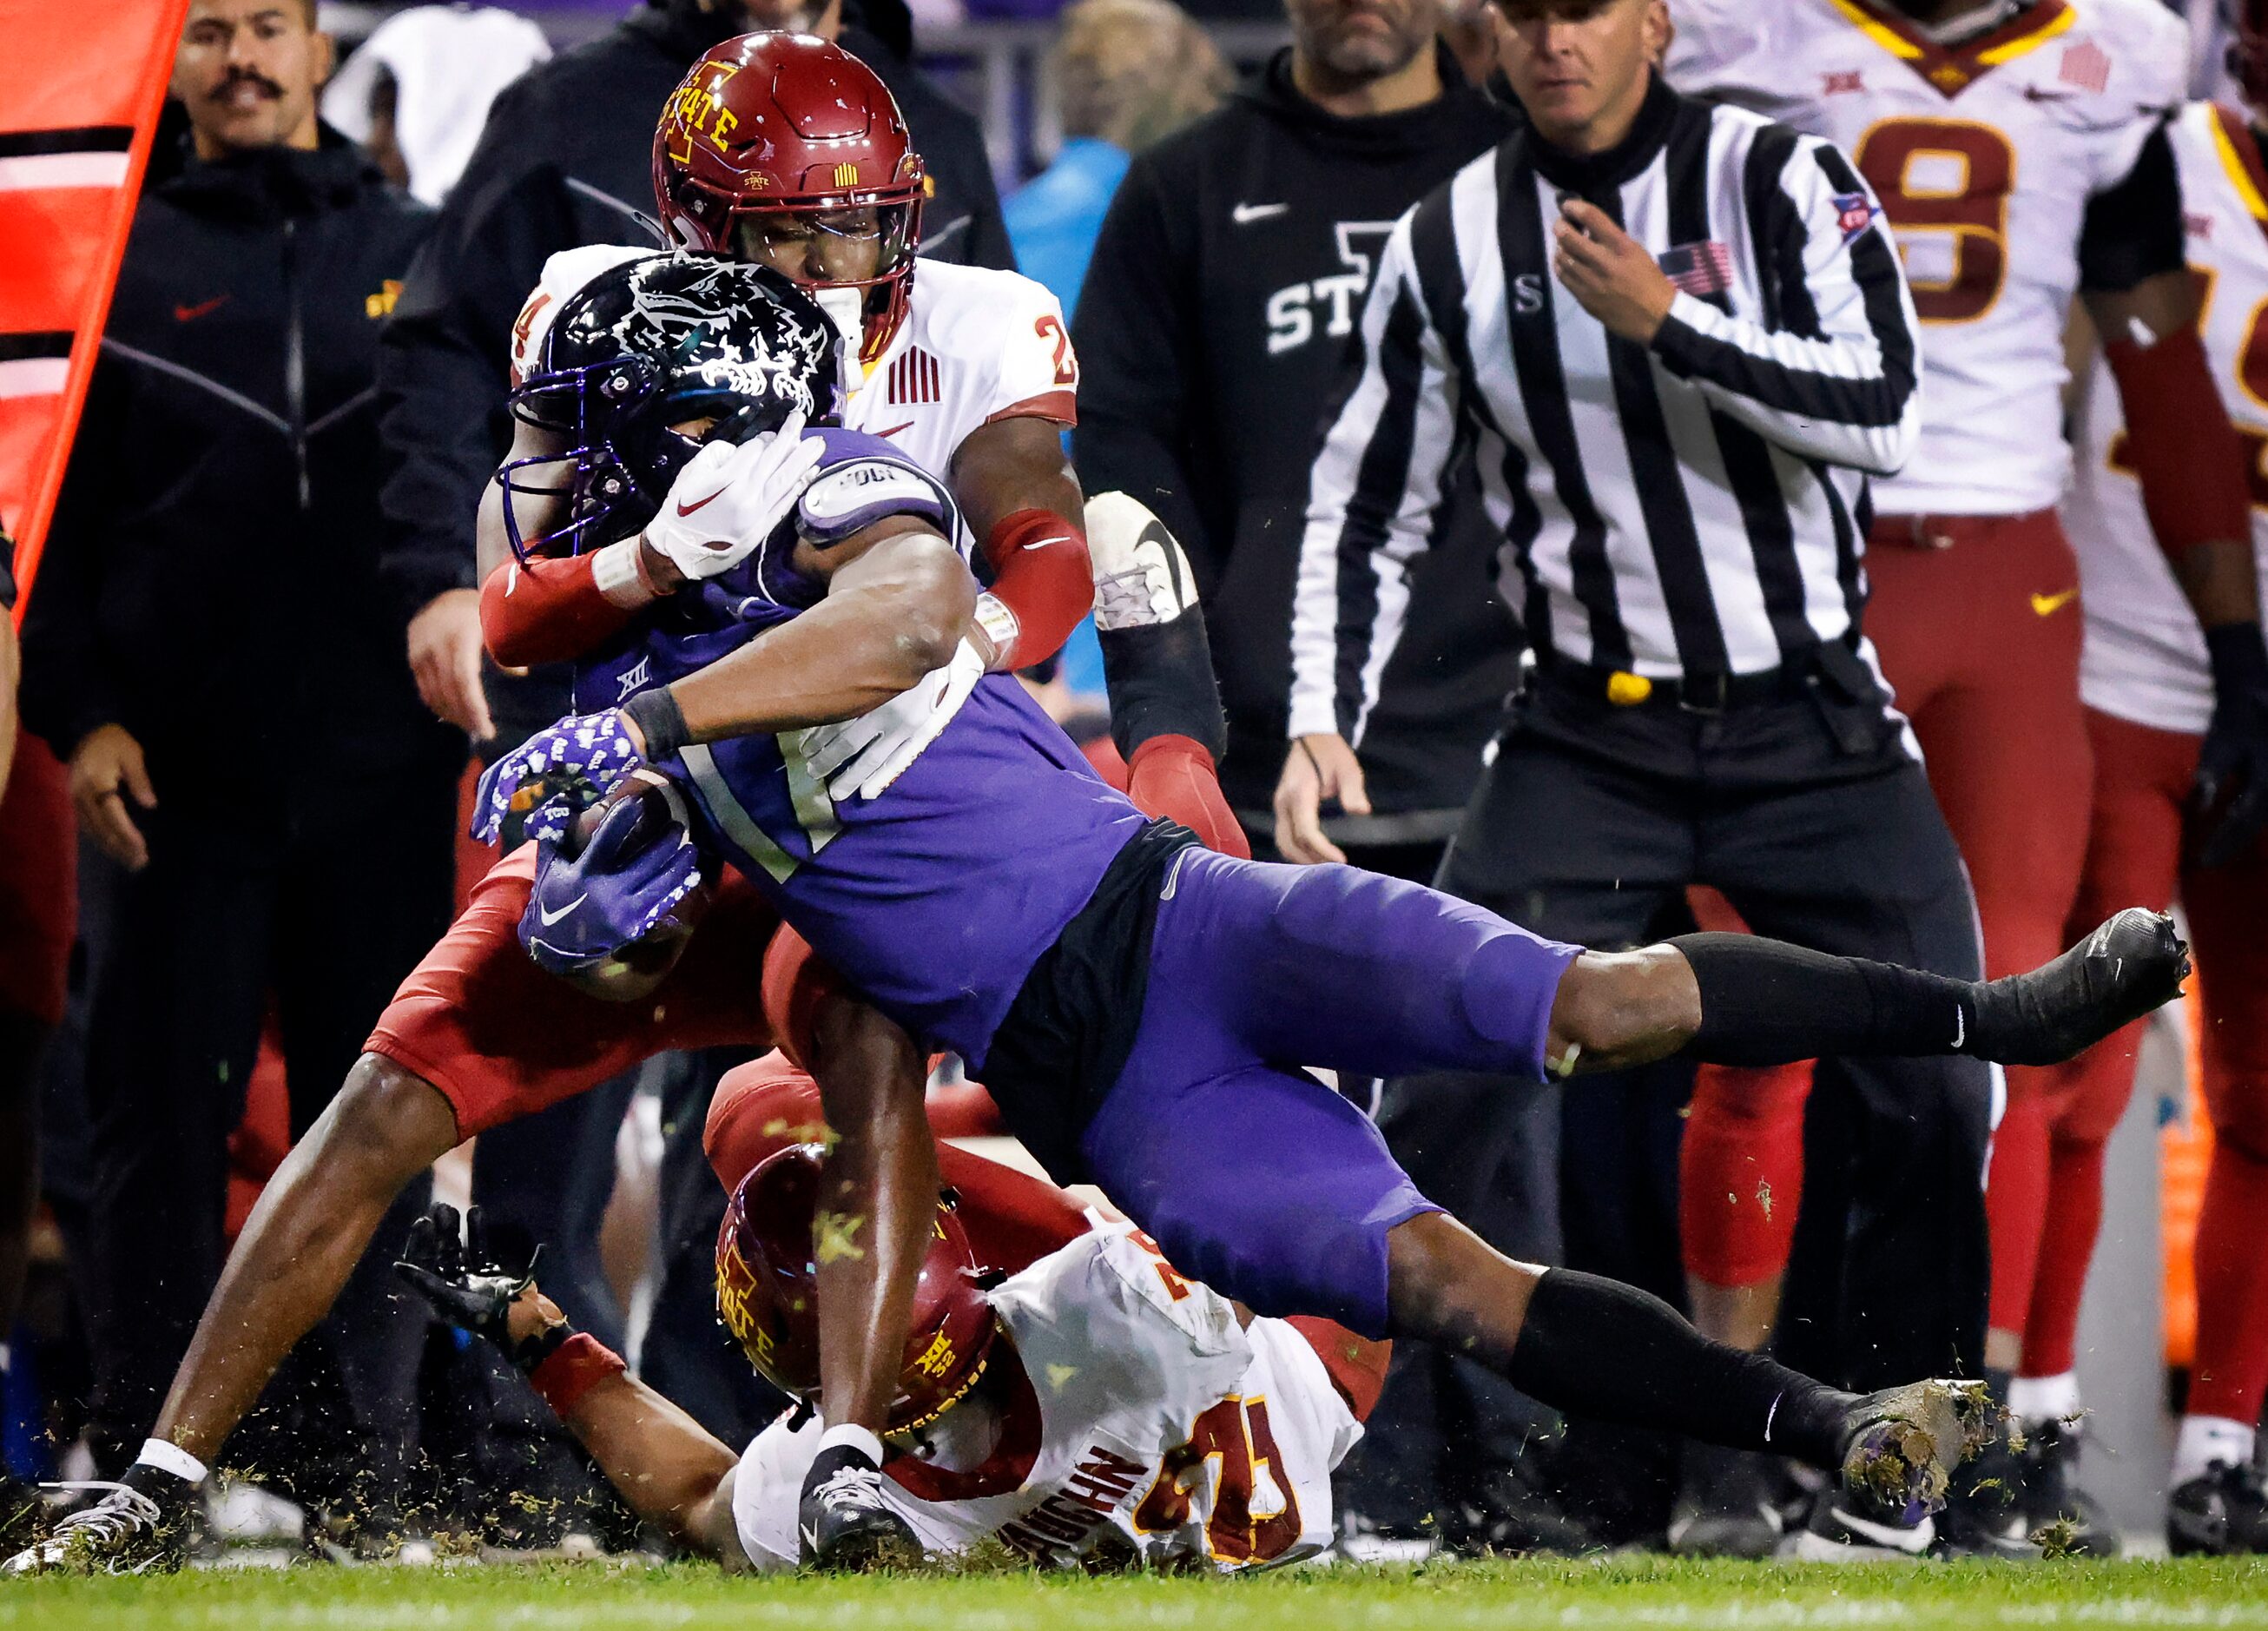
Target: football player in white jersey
x: 2018, y: 149
x: 2147, y: 676
x: 1065, y: 1392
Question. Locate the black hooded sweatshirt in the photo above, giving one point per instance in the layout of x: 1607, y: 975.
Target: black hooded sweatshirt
x: 566, y: 159
x: 210, y: 580
x: 1211, y: 329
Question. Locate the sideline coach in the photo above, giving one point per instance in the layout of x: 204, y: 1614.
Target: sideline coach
x: 1678, y: 340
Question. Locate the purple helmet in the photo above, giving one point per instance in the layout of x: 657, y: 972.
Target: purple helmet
x: 647, y: 346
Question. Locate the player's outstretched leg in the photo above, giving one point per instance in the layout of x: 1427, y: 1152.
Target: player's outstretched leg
x: 301, y: 1242
x: 1584, y: 1344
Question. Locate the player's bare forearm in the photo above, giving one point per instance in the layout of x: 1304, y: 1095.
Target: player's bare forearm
x: 666, y: 1466
x: 893, y: 613
x: 2220, y: 580
x: 879, y: 1185
x: 1011, y: 465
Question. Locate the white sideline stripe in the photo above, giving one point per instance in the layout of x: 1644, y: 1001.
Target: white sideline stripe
x: 33, y: 376
x: 32, y: 171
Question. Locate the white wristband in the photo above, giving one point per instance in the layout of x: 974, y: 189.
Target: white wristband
x: 620, y: 576
x: 858, y: 1438
x: 1001, y: 626
x: 171, y: 1459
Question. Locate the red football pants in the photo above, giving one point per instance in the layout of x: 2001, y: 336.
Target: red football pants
x: 2048, y: 1159
x: 1977, y: 620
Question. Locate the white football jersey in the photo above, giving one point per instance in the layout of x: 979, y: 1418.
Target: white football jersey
x: 977, y: 345
x: 1163, y: 1431
x: 2145, y: 657
x: 1985, y: 157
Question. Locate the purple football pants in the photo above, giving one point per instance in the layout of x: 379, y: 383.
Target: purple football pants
x: 1251, y: 1175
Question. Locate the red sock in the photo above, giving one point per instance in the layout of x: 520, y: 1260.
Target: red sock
x: 2066, y: 1246
x: 2231, y: 1372
x: 1740, y: 1171
x: 2015, y: 1205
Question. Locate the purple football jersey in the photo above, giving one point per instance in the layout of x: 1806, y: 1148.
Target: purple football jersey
x: 934, y: 897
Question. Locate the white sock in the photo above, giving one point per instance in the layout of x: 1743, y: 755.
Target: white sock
x: 2207, y: 1439
x: 858, y: 1438
x: 2034, y: 1400
x: 171, y: 1458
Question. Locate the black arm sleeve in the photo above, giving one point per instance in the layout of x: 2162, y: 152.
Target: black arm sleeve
x: 66, y: 689
x: 2133, y: 230
x: 1135, y: 329
x: 443, y: 361
x: 1159, y: 677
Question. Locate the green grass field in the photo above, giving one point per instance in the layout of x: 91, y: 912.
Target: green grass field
x: 1468, y: 1596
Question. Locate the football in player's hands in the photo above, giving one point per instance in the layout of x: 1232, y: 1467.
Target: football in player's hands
x: 729, y: 499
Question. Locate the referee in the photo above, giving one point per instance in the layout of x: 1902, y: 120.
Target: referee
x: 1676, y: 341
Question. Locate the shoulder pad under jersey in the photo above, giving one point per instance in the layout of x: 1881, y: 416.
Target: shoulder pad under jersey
x: 859, y: 485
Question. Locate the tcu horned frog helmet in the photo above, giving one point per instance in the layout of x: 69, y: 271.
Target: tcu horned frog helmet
x: 790, y: 125
x: 653, y: 343
x: 767, y: 1291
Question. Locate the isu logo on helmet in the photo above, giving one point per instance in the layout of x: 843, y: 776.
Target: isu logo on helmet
x: 786, y: 149
x: 767, y: 1252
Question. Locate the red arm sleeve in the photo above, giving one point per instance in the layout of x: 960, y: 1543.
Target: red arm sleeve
x: 2187, y: 454
x: 1042, y: 573
x: 1172, y: 777
x: 551, y: 610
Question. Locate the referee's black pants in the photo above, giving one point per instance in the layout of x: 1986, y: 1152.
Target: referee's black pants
x: 1811, y: 816
x: 238, y: 904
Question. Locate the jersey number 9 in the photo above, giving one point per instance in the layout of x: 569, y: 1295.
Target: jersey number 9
x: 1949, y: 177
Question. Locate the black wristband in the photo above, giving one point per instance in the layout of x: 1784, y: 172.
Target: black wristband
x: 2239, y: 656
x: 659, y: 720
x: 528, y: 1355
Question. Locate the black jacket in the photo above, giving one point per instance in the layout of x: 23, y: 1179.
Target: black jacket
x: 1211, y: 331
x: 566, y: 159
x: 211, y: 580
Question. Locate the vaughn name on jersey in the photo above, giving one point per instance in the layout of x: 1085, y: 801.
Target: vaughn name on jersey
x: 1146, y: 1425
x: 1985, y: 155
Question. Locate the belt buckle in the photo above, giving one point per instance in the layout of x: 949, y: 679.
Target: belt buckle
x: 1707, y: 695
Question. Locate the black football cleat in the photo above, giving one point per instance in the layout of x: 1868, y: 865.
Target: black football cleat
x: 141, y: 1526
x: 846, y: 1525
x: 1728, y: 1503
x: 2222, y: 1513
x: 2133, y: 963
x: 2058, y: 1514
x: 1904, y: 1443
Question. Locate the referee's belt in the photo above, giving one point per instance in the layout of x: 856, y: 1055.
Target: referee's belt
x: 1695, y: 693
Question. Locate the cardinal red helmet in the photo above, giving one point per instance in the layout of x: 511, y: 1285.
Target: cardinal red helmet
x: 789, y: 124
x: 767, y: 1291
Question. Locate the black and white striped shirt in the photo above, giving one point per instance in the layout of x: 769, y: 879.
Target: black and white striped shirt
x: 1688, y: 510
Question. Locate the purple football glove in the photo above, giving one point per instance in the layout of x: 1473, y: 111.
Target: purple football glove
x: 554, y: 775
x: 640, y: 863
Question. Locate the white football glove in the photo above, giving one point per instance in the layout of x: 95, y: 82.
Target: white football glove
x: 728, y: 499
x: 861, y: 756
x: 1141, y: 576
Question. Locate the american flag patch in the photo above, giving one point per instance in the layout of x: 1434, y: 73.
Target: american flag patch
x: 1852, y: 212
x: 1699, y: 269
x: 914, y: 378
x: 2086, y: 65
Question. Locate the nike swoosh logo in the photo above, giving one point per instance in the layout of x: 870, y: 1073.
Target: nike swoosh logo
x: 2049, y: 605
x: 1246, y: 214
x: 1882, y: 1534
x: 1173, y: 877
x: 894, y: 429
x: 190, y: 314
x: 1042, y: 543
x: 550, y: 918
x: 2035, y: 93
x: 1959, y: 1026
x: 684, y: 508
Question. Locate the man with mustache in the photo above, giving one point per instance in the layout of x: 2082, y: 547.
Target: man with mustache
x: 214, y: 560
